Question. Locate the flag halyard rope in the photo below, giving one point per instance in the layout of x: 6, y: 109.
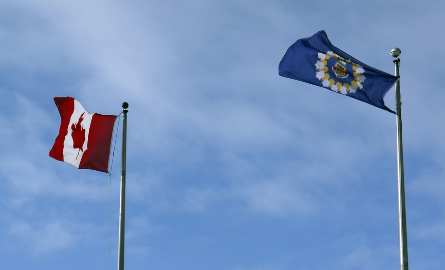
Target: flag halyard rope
x: 109, y: 201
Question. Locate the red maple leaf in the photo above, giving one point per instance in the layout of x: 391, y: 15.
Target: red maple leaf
x: 78, y: 134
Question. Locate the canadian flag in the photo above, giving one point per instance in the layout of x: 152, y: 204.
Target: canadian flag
x: 84, y: 139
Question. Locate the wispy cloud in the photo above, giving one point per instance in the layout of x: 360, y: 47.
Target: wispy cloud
x: 47, y: 238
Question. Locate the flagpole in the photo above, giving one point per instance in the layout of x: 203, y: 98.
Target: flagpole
x: 403, y: 238
x: 120, y: 262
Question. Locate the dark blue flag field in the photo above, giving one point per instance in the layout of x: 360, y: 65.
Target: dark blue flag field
x: 316, y: 61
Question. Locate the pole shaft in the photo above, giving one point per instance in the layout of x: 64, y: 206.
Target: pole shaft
x: 120, y: 263
x: 403, y: 238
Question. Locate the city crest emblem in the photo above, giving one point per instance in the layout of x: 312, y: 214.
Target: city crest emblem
x: 340, y: 69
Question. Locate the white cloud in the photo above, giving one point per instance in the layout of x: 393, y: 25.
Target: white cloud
x: 278, y: 199
x: 43, y: 239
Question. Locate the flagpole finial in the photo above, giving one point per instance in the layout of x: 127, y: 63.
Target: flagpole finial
x: 395, y: 52
x: 125, y: 107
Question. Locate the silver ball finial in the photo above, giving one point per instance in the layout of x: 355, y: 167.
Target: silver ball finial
x: 395, y: 52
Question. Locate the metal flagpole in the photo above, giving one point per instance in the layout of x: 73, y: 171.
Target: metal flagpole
x: 120, y: 262
x: 403, y: 239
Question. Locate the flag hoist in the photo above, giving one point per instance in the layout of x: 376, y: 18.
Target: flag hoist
x: 84, y: 141
x: 316, y: 61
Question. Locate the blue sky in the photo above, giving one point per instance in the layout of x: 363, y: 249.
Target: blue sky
x: 229, y: 166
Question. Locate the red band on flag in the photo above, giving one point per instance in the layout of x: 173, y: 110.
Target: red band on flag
x: 66, y: 108
x: 99, y: 142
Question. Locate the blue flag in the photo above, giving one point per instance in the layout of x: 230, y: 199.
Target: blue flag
x: 316, y: 61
